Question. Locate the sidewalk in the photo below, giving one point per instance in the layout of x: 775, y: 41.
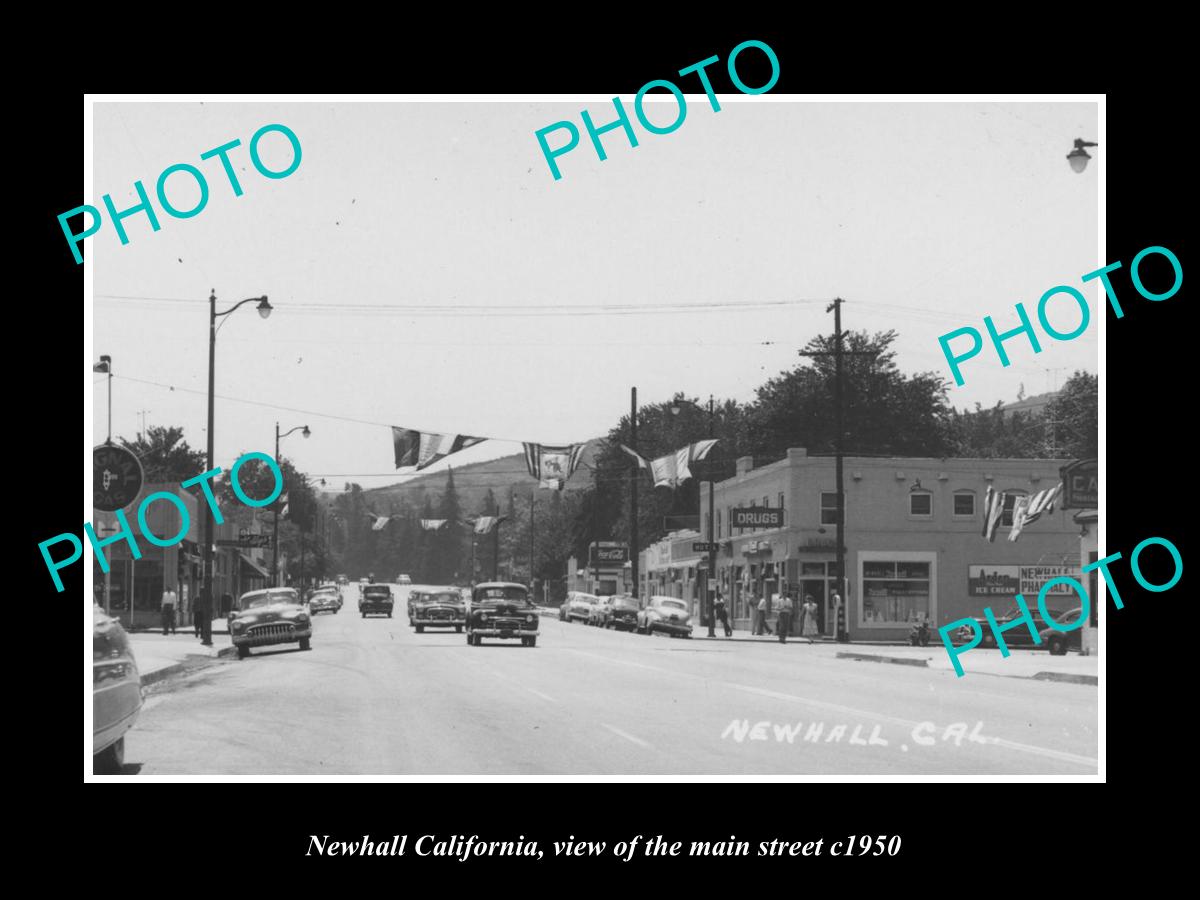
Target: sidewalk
x: 1038, y: 664
x: 160, y: 656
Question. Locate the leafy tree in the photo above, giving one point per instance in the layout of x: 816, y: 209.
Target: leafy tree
x: 166, y: 456
x: 1074, y: 416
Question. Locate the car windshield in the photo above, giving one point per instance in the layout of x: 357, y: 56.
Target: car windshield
x: 377, y: 590
x: 625, y: 603
x: 672, y: 604
x: 586, y: 598
x: 441, y: 597
x: 497, y: 594
x: 285, y: 595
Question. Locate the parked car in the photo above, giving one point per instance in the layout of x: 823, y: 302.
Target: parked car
x: 501, y: 609
x: 669, y: 614
x: 376, y: 599
x: 1059, y: 642
x: 325, y: 599
x: 342, y: 579
x: 579, y: 605
x: 563, y: 607
x: 598, y: 611
x: 441, y: 608
x: 403, y: 579
x: 1018, y: 636
x: 271, y: 616
x: 116, y: 692
x: 620, y: 612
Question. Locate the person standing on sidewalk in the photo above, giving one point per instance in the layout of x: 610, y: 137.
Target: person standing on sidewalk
x: 809, y: 628
x: 721, y: 614
x: 760, y: 624
x: 226, y: 604
x: 204, y: 607
x: 170, y: 600
x: 784, y: 624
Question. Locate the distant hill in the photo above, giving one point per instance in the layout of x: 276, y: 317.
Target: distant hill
x: 473, y: 481
x: 1036, y: 403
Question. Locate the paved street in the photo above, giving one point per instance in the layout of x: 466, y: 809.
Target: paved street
x: 374, y: 697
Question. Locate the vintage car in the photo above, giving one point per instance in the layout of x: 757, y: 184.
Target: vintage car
x: 598, y: 610
x: 271, y: 616
x: 325, y: 599
x: 620, y: 612
x: 375, y: 599
x: 579, y: 606
x: 669, y: 614
x: 403, y: 579
x: 437, y: 608
x: 501, y: 609
x: 1059, y: 642
x: 116, y: 692
x: 1019, y: 635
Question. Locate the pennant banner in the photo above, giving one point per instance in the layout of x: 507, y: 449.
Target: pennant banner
x: 380, y: 523
x: 642, y: 462
x: 552, y: 466
x: 420, y: 449
x: 485, y: 524
x: 673, y: 469
x: 1027, y: 510
x: 433, y: 524
x: 993, y: 511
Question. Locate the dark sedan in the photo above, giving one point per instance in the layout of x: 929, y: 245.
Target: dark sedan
x: 502, y: 610
x: 376, y: 599
x: 1018, y: 635
x: 620, y: 613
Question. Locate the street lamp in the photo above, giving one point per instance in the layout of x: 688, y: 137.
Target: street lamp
x: 706, y: 611
x: 264, y: 310
x: 303, y: 429
x: 1078, y: 158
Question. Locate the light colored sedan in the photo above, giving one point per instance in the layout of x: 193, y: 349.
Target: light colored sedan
x: 272, y: 616
x: 116, y: 692
x: 669, y: 614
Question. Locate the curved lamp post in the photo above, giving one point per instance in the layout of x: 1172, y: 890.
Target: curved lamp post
x: 1078, y: 158
x: 706, y: 610
x: 303, y: 429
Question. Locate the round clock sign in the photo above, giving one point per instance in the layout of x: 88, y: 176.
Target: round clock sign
x: 116, y: 477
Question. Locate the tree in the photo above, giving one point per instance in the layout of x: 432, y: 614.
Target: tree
x: 166, y: 456
x: 1074, y: 416
x: 448, y: 541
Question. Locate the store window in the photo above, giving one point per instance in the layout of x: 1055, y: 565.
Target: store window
x: 781, y: 499
x: 895, y: 592
x: 828, y: 507
x: 964, y: 503
x: 1010, y: 498
x: 920, y: 504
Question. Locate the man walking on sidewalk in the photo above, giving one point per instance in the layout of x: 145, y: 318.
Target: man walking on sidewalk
x: 169, y: 601
x: 204, y: 606
x: 784, y: 625
x: 760, y: 624
x: 721, y: 614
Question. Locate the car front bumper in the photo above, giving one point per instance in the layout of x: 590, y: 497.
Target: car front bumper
x: 446, y: 623
x: 375, y: 608
x: 263, y: 635
x: 504, y: 632
x: 671, y: 627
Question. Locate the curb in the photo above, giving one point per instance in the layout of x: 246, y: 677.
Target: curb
x: 174, y: 669
x: 1068, y: 677
x: 874, y: 657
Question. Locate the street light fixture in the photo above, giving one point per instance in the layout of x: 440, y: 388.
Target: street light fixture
x: 706, y: 610
x: 303, y: 429
x: 1078, y: 158
x: 264, y: 310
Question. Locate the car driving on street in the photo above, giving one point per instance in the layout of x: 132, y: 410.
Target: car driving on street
x: 620, y: 612
x: 668, y: 614
x: 271, y: 616
x: 324, y: 599
x: 376, y: 600
x: 437, y: 608
x: 501, y: 609
x: 579, y: 606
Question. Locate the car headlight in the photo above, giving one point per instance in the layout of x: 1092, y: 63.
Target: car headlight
x: 483, y: 616
x: 303, y: 617
x: 238, y: 625
x: 530, y: 618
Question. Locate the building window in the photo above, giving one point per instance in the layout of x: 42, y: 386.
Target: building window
x: 920, y: 504
x: 781, y: 499
x: 896, y: 592
x: 1010, y: 498
x: 964, y: 504
x: 828, y: 507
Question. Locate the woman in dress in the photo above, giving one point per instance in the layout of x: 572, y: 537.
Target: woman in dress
x: 810, y: 617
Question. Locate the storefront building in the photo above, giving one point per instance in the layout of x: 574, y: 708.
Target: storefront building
x: 672, y: 568
x: 914, y: 544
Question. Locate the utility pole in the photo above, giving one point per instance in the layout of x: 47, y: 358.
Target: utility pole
x: 839, y: 449
x: 633, y: 493
x: 532, y: 498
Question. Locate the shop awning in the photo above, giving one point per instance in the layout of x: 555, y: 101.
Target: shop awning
x: 255, y: 568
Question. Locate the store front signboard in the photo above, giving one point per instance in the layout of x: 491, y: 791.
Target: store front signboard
x: 1008, y: 581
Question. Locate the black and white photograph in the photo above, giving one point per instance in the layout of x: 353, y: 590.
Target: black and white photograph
x: 702, y: 433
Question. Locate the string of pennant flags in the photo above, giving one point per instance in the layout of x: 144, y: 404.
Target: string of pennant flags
x: 552, y: 465
x: 1026, y: 510
x: 672, y: 470
x: 482, y: 524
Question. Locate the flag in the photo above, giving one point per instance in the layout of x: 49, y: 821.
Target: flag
x: 432, y: 524
x: 380, y: 523
x: 993, y: 511
x: 642, y: 462
x: 284, y: 510
x: 422, y: 448
x: 1029, y: 509
x: 485, y: 524
x: 552, y: 465
x: 673, y: 469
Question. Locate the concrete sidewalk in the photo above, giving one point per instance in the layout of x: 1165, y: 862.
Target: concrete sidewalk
x: 1037, y: 664
x: 160, y: 656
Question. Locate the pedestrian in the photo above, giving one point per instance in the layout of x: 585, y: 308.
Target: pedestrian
x: 204, y: 607
x: 784, y: 624
x: 170, y: 600
x: 835, y: 603
x: 196, y: 616
x: 760, y: 624
x: 809, y: 628
x: 722, y: 615
x: 226, y: 604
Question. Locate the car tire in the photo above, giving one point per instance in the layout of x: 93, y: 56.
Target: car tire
x: 305, y: 643
x: 477, y: 640
x: 458, y: 628
x: 243, y: 651
x: 389, y: 615
x: 470, y: 639
x: 110, y: 760
x: 364, y: 615
x: 532, y: 641
x: 1058, y: 647
x: 420, y: 629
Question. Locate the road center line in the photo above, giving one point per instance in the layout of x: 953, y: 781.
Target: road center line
x: 627, y: 736
x: 546, y: 697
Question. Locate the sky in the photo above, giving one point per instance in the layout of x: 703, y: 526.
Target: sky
x: 427, y: 271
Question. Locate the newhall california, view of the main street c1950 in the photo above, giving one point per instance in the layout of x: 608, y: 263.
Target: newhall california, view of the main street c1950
x: 655, y: 468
